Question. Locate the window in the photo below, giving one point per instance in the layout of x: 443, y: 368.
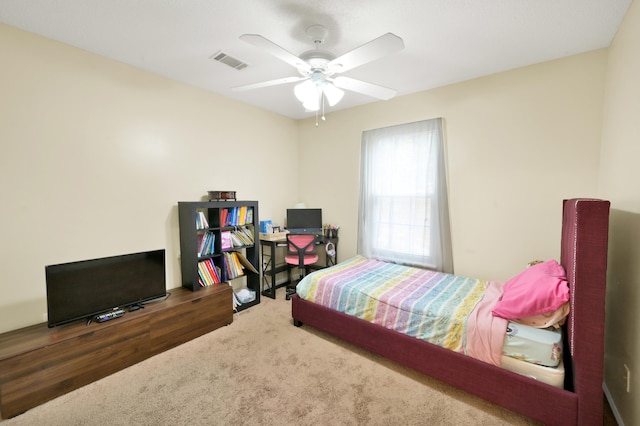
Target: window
x: 403, y: 196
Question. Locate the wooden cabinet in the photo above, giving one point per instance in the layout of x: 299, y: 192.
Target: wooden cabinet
x: 39, y: 363
x: 216, y: 221
x: 186, y: 321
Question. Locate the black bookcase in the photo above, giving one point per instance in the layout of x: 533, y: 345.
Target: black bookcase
x: 213, y: 220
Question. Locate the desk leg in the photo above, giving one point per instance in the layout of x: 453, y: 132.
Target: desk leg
x: 273, y: 277
x: 268, y: 269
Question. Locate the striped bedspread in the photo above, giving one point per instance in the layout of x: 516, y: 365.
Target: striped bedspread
x: 439, y: 308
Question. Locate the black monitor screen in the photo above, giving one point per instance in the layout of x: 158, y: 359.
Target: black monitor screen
x: 304, y: 220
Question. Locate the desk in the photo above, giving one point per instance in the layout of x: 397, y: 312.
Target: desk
x: 271, y: 269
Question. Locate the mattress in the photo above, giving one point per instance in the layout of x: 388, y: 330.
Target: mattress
x: 540, y: 346
x: 553, y: 376
x: 448, y: 311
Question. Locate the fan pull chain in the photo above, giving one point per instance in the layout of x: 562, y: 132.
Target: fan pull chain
x: 323, y: 98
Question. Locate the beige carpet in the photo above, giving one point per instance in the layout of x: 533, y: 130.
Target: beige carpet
x: 261, y: 370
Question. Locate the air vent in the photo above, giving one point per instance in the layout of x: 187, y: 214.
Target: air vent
x: 228, y: 60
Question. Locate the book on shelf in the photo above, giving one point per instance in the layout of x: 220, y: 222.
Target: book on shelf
x: 248, y: 233
x: 225, y: 240
x: 231, y: 266
x: 236, y: 216
x: 242, y: 236
x: 235, y: 239
x: 208, y: 273
x: 205, y: 277
x: 228, y: 216
x: 236, y: 265
x: 201, y: 221
x: 235, y: 302
x: 238, y: 211
x: 244, y: 262
x: 242, y: 215
x: 213, y: 271
x: 206, y: 244
x: 223, y: 217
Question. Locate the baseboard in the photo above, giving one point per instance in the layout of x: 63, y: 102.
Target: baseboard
x: 612, y: 404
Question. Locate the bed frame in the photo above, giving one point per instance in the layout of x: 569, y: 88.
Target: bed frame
x: 585, y: 225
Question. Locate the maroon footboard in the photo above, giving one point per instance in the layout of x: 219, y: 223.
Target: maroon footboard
x: 584, y: 251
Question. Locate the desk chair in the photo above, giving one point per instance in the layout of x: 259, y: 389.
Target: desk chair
x: 301, y: 252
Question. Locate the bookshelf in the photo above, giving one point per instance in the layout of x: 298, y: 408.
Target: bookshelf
x: 218, y: 245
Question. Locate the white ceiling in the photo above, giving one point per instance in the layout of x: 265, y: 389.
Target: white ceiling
x: 446, y: 41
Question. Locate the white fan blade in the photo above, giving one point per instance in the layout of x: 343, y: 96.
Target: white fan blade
x: 376, y: 48
x: 269, y: 83
x: 275, y: 50
x: 365, y: 88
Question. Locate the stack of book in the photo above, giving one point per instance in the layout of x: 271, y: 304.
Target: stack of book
x: 242, y: 236
x: 208, y: 273
x: 201, y: 221
x: 236, y: 216
x: 235, y: 264
x: 206, y: 244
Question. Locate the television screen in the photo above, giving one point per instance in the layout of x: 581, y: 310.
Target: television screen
x: 304, y: 220
x: 81, y: 290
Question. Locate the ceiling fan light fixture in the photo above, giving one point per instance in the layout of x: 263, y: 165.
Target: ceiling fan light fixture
x: 308, y: 92
x: 305, y: 90
x: 317, y: 68
x: 332, y: 93
x: 312, y: 104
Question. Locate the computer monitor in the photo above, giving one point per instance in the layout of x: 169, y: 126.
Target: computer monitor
x: 300, y: 221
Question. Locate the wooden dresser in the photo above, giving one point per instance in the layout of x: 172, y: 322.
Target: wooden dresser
x: 39, y: 363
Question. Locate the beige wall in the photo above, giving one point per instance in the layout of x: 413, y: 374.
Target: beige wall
x: 517, y: 144
x: 619, y: 178
x: 96, y: 154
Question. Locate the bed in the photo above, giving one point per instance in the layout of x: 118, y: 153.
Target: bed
x: 579, y: 398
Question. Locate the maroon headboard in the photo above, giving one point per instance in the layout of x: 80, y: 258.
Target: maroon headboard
x: 585, y: 233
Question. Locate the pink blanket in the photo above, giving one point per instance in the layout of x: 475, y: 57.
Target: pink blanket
x: 485, y: 332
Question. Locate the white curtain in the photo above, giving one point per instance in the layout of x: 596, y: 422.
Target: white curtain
x: 404, y: 215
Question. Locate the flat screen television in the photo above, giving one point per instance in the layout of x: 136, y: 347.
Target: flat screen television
x: 304, y: 220
x: 84, y: 289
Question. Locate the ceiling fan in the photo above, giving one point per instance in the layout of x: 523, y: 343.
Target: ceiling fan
x: 319, y: 68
